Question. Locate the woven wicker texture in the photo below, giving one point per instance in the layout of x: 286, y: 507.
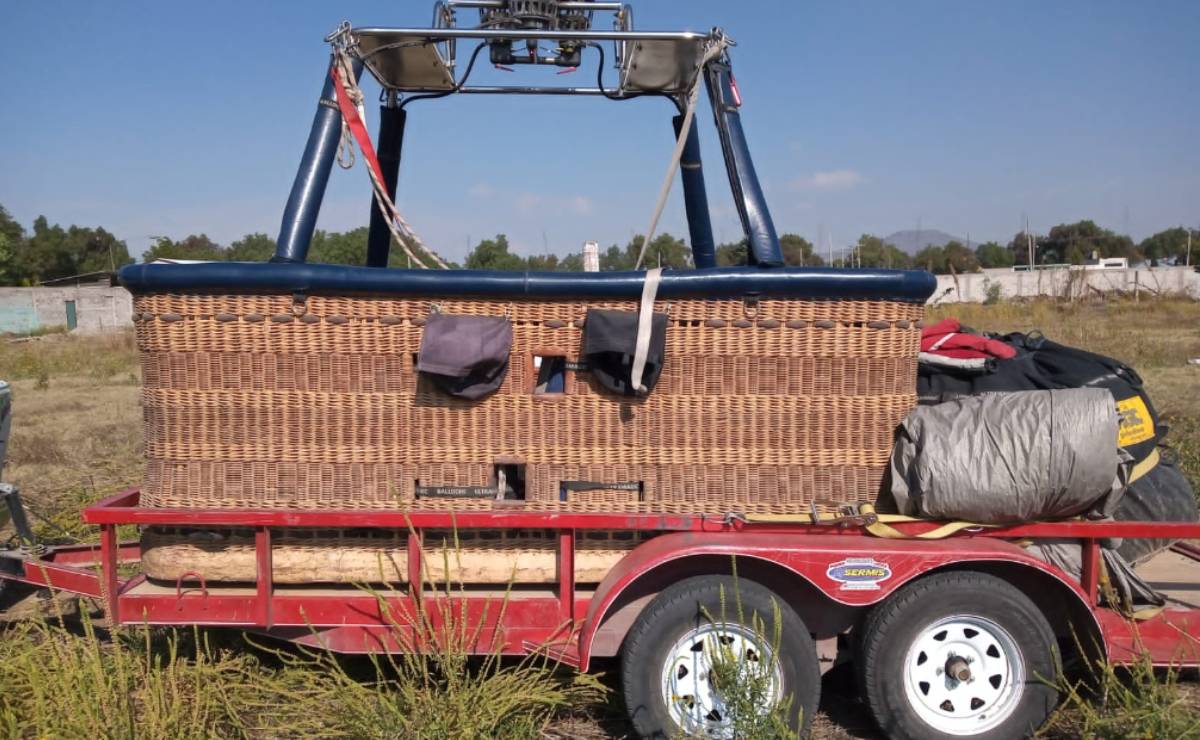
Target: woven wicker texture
x: 378, y: 556
x: 272, y: 402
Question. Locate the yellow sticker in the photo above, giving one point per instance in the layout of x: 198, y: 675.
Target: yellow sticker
x: 1136, y: 424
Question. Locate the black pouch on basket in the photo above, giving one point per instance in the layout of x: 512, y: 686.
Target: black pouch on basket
x: 609, y: 342
x: 465, y: 356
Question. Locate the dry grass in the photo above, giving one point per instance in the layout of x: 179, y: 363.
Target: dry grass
x: 77, y: 437
x: 77, y: 425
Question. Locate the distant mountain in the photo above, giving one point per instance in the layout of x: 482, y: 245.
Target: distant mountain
x: 913, y: 241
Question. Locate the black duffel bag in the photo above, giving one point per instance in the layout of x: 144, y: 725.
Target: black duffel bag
x: 1042, y: 364
x: 1161, y: 495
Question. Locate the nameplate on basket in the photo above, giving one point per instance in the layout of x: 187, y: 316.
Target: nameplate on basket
x: 456, y: 492
x: 587, y: 485
x: 576, y: 366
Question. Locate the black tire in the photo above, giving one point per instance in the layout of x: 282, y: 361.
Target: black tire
x: 908, y: 619
x: 693, y: 604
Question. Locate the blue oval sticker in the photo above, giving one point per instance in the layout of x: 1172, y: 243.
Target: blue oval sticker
x: 859, y: 574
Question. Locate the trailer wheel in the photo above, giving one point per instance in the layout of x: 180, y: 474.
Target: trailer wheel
x: 667, y: 657
x: 958, y: 655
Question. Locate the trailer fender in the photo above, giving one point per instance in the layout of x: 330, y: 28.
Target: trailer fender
x: 846, y: 571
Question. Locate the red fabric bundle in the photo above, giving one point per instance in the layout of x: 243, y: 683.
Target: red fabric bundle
x: 945, y: 338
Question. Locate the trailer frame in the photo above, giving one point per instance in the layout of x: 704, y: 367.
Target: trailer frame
x: 574, y: 622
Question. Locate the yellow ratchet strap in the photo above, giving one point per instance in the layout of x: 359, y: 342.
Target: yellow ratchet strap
x: 881, y: 526
x: 1145, y: 466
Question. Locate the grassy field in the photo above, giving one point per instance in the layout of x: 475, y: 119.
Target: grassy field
x: 77, y: 437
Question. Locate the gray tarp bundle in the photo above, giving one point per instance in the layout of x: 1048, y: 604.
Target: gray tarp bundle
x: 1011, y: 457
x: 1129, y: 591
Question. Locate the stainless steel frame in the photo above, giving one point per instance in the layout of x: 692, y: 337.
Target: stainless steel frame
x: 419, y: 63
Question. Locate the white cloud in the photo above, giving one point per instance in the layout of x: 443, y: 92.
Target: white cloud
x: 481, y: 190
x: 829, y: 180
x: 528, y: 201
x: 578, y: 204
x: 581, y: 204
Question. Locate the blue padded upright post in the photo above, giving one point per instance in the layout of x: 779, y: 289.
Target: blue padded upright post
x: 308, y: 189
x: 747, y: 193
x: 391, y: 140
x: 695, y: 197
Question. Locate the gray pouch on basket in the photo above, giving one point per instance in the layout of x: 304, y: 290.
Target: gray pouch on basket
x: 609, y: 343
x: 465, y: 356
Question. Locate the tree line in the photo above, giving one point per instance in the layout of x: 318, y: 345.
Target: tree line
x: 50, y: 251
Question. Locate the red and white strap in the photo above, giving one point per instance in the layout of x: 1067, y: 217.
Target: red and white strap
x: 350, y: 103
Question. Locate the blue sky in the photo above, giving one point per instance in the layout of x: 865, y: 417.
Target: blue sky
x: 171, y: 118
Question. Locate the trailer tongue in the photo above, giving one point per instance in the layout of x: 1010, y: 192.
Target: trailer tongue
x: 662, y: 466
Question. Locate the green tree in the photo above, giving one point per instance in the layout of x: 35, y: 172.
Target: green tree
x: 1170, y: 244
x: 251, y: 248
x: 664, y: 251
x: 930, y: 258
x: 493, y: 254
x: 95, y: 250
x: 872, y: 251
x: 53, y: 252
x: 615, y: 258
x: 798, y: 251
x: 191, y: 247
x: 1089, y: 238
x: 571, y: 263
x: 1019, y: 248
x: 46, y: 255
x: 12, y: 237
x: 991, y: 254
x: 342, y: 247
x: 732, y: 254
x: 6, y: 256
x: 958, y: 258
x: 542, y: 262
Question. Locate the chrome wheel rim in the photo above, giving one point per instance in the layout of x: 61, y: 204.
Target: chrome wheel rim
x: 964, y: 675
x: 694, y: 703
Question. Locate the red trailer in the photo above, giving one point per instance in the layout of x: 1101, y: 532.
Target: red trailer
x: 951, y: 635
x: 952, y: 630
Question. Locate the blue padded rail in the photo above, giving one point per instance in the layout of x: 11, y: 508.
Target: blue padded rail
x: 725, y: 282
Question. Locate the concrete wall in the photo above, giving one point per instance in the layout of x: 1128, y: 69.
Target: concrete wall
x: 97, y: 308
x: 104, y: 308
x: 1070, y: 284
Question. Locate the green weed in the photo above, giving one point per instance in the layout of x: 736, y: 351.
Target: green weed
x: 747, y: 686
x: 1131, y: 701
x: 146, y: 684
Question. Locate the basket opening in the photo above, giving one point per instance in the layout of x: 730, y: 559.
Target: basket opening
x: 551, y: 375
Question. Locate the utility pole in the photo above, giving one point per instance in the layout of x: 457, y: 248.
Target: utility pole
x: 1188, y: 260
x: 1029, y: 243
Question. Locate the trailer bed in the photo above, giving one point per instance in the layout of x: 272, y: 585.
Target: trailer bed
x: 1176, y: 576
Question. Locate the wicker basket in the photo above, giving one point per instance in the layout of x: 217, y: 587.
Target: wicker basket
x: 257, y: 401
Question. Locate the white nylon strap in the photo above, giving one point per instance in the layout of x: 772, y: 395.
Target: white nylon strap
x: 645, y: 317
x: 938, y: 344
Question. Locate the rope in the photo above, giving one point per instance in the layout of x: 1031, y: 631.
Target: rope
x: 350, y: 102
x: 714, y: 50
